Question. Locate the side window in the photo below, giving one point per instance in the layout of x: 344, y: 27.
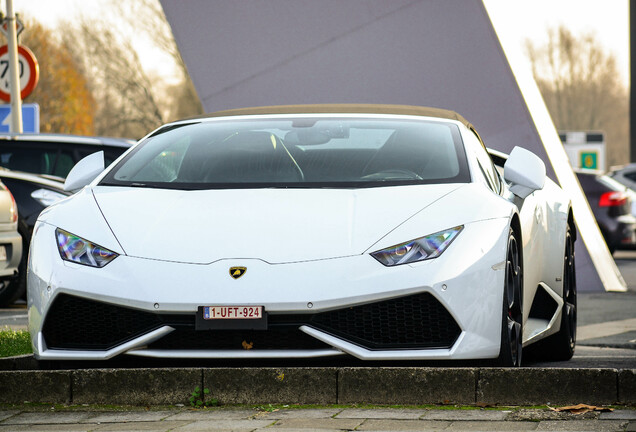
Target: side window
x: 62, y: 165
x: 22, y: 156
x: 486, y: 166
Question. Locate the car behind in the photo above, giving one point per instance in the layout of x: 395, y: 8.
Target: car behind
x: 625, y: 175
x: 55, y: 154
x: 10, y: 246
x: 611, y: 204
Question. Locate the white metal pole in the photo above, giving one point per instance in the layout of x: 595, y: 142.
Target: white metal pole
x: 14, y: 70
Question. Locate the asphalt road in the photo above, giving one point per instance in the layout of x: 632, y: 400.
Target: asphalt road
x: 606, y: 324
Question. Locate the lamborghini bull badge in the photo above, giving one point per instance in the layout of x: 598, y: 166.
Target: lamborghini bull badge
x: 237, y: 272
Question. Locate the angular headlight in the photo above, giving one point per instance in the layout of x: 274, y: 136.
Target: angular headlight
x: 423, y: 248
x: 75, y: 249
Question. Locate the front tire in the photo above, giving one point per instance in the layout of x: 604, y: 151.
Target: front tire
x: 512, y: 314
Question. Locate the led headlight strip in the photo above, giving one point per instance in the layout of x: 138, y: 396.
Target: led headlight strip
x: 423, y: 248
x: 80, y: 251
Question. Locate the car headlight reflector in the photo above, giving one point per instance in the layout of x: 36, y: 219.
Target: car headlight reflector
x: 80, y: 251
x: 423, y: 248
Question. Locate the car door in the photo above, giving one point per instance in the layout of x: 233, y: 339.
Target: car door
x: 532, y: 216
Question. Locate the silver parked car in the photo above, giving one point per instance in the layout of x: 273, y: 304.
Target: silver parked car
x: 10, y: 246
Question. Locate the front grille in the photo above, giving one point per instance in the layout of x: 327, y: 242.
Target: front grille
x: 75, y: 322
x: 416, y: 321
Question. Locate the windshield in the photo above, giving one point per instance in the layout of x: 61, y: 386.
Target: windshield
x: 295, y: 152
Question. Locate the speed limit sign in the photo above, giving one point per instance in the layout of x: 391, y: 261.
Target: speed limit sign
x: 29, y: 72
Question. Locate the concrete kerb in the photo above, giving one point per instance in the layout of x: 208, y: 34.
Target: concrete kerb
x: 35, y: 386
x: 409, y: 385
x: 627, y: 386
x: 323, y: 386
x: 134, y: 386
x: 547, y: 386
x: 272, y: 385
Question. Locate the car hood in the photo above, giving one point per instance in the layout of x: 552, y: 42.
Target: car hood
x: 274, y: 225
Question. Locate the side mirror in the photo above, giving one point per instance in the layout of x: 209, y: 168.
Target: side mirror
x: 525, y: 171
x: 85, y: 171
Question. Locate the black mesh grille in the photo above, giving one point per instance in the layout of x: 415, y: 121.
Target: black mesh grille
x: 417, y: 321
x: 75, y: 322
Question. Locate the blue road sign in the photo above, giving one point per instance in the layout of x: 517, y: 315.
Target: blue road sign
x: 30, y: 118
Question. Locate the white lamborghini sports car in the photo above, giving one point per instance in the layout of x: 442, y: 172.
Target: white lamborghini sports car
x: 379, y: 232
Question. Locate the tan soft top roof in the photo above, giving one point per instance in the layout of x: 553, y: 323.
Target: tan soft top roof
x: 344, y: 109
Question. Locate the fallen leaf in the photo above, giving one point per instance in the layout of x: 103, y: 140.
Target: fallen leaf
x: 247, y: 346
x: 581, y: 409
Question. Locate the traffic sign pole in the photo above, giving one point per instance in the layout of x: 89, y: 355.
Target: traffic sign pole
x: 16, y: 100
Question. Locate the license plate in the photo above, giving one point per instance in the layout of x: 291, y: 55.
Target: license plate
x: 3, y: 253
x: 232, y: 312
x: 231, y: 318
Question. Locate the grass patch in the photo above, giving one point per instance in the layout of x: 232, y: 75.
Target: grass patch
x: 14, y: 342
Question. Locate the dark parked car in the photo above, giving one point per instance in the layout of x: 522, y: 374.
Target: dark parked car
x: 625, y: 175
x: 611, y: 204
x: 32, y: 193
x: 55, y: 154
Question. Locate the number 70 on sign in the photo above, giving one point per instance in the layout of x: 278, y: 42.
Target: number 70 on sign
x: 29, y: 72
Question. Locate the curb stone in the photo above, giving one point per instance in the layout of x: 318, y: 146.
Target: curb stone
x: 35, y: 386
x: 272, y: 385
x: 323, y: 386
x: 134, y: 386
x: 547, y: 386
x: 407, y: 385
x: 627, y: 386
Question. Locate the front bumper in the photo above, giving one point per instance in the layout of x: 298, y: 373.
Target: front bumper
x: 458, y: 297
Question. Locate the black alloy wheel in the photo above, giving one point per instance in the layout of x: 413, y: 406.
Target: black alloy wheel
x: 560, y: 346
x: 568, y: 318
x: 512, y: 323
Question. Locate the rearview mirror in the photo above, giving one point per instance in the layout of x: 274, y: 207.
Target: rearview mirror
x: 525, y: 172
x: 85, y: 171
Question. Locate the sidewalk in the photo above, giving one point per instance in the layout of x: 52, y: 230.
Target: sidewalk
x: 324, y: 419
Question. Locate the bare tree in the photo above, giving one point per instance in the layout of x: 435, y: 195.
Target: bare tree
x: 129, y: 101
x: 63, y: 93
x: 582, y: 88
x: 147, y: 17
x: 126, y: 104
